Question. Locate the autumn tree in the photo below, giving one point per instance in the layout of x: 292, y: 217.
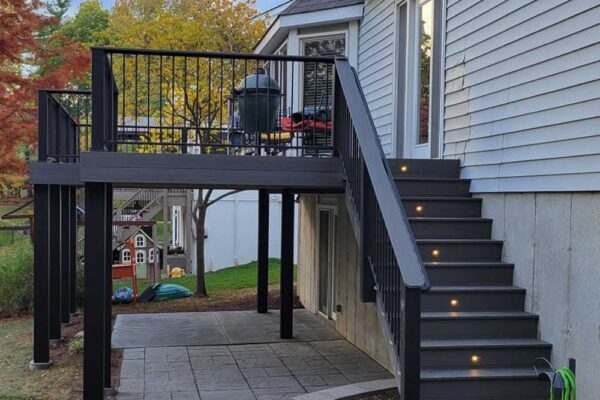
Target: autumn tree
x: 29, y: 60
x: 184, y: 92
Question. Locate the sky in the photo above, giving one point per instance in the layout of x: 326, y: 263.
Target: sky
x: 262, y: 5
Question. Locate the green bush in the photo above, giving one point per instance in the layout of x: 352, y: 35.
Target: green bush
x: 76, y: 346
x: 16, y: 278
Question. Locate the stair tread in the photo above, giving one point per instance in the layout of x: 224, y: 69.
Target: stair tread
x: 450, y: 219
x: 477, y: 373
x: 429, y: 179
x: 483, y: 343
x: 479, y: 288
x: 477, y: 315
x: 441, y: 198
x: 481, y: 241
x: 467, y: 264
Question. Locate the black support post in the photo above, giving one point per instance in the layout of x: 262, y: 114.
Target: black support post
x: 262, y: 293
x: 95, y: 291
x: 65, y: 255
x: 73, y: 242
x: 287, y: 266
x: 107, y: 298
x: 55, y: 264
x: 41, y: 348
x: 412, y: 345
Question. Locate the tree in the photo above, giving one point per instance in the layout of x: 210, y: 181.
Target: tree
x: 28, y: 61
x: 201, y: 204
x: 88, y: 25
x: 180, y: 91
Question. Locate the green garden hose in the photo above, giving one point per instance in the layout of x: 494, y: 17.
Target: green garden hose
x: 568, y: 392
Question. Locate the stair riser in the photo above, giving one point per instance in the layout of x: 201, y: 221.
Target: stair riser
x: 425, y: 168
x: 496, y: 357
x: 479, y: 276
x: 487, y: 251
x: 442, y: 208
x: 452, y: 229
x: 433, y: 189
x: 473, y: 301
x: 479, y: 328
x: 485, y: 389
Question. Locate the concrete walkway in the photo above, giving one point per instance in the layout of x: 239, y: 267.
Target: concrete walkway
x: 260, y: 367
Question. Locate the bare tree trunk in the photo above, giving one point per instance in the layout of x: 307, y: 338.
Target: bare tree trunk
x: 200, y: 267
x: 199, y: 216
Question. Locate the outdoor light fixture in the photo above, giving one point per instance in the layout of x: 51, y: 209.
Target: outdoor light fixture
x: 474, y: 358
x: 453, y: 302
x: 419, y: 209
x: 435, y: 252
x: 404, y: 168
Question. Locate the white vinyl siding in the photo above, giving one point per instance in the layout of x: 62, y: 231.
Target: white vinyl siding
x: 522, y: 94
x: 376, y: 65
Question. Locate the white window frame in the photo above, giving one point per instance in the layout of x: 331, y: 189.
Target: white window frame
x: 126, y: 256
x: 143, y: 240
x: 137, y: 257
x: 151, y: 255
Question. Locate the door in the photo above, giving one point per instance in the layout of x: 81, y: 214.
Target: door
x: 419, y: 79
x: 325, y: 261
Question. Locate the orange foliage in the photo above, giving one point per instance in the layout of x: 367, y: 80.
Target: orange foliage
x: 27, y: 63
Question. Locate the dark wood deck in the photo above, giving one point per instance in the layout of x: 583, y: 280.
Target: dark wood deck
x: 298, y: 174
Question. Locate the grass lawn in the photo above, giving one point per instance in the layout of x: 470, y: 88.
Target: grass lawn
x: 223, y: 280
x: 17, y: 382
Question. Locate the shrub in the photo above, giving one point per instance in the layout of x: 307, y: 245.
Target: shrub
x: 76, y: 346
x: 16, y: 278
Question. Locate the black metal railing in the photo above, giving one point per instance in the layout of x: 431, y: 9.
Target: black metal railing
x: 64, y: 124
x: 388, y: 250
x: 157, y: 101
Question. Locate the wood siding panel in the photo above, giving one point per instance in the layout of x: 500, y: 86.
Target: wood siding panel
x: 522, y: 104
x: 376, y: 65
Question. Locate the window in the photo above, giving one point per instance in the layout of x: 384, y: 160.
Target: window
x: 318, y: 79
x: 126, y: 256
x: 425, y: 70
x: 151, y: 255
x: 140, y: 241
x: 140, y: 257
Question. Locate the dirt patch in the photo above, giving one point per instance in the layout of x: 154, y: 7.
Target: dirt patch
x: 391, y: 394
x: 239, y: 300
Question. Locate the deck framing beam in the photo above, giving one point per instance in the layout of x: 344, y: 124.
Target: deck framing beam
x: 262, y: 295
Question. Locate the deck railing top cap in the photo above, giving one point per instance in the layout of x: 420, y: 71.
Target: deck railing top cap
x: 67, y: 91
x: 216, y: 55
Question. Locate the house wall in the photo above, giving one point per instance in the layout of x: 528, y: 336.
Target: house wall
x: 554, y: 241
x: 376, y: 43
x: 522, y: 85
x: 357, y: 321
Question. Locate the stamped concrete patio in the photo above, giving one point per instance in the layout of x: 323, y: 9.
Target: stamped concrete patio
x: 234, y: 355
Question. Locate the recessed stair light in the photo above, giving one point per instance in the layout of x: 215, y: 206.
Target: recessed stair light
x: 453, y: 302
x: 404, y: 168
x: 474, y: 358
x: 435, y: 252
x: 419, y: 209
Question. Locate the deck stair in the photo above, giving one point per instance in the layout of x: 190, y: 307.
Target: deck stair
x: 477, y: 342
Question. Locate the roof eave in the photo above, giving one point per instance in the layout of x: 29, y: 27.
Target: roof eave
x: 279, y: 29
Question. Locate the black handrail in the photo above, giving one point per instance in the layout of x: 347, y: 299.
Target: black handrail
x: 380, y: 175
x: 390, y: 261
x: 215, y: 55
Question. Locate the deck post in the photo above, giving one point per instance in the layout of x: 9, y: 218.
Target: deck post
x: 108, y: 298
x: 73, y: 241
x: 95, y: 290
x: 65, y: 256
x: 262, y: 293
x: 55, y: 264
x: 41, y: 348
x: 287, y: 265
